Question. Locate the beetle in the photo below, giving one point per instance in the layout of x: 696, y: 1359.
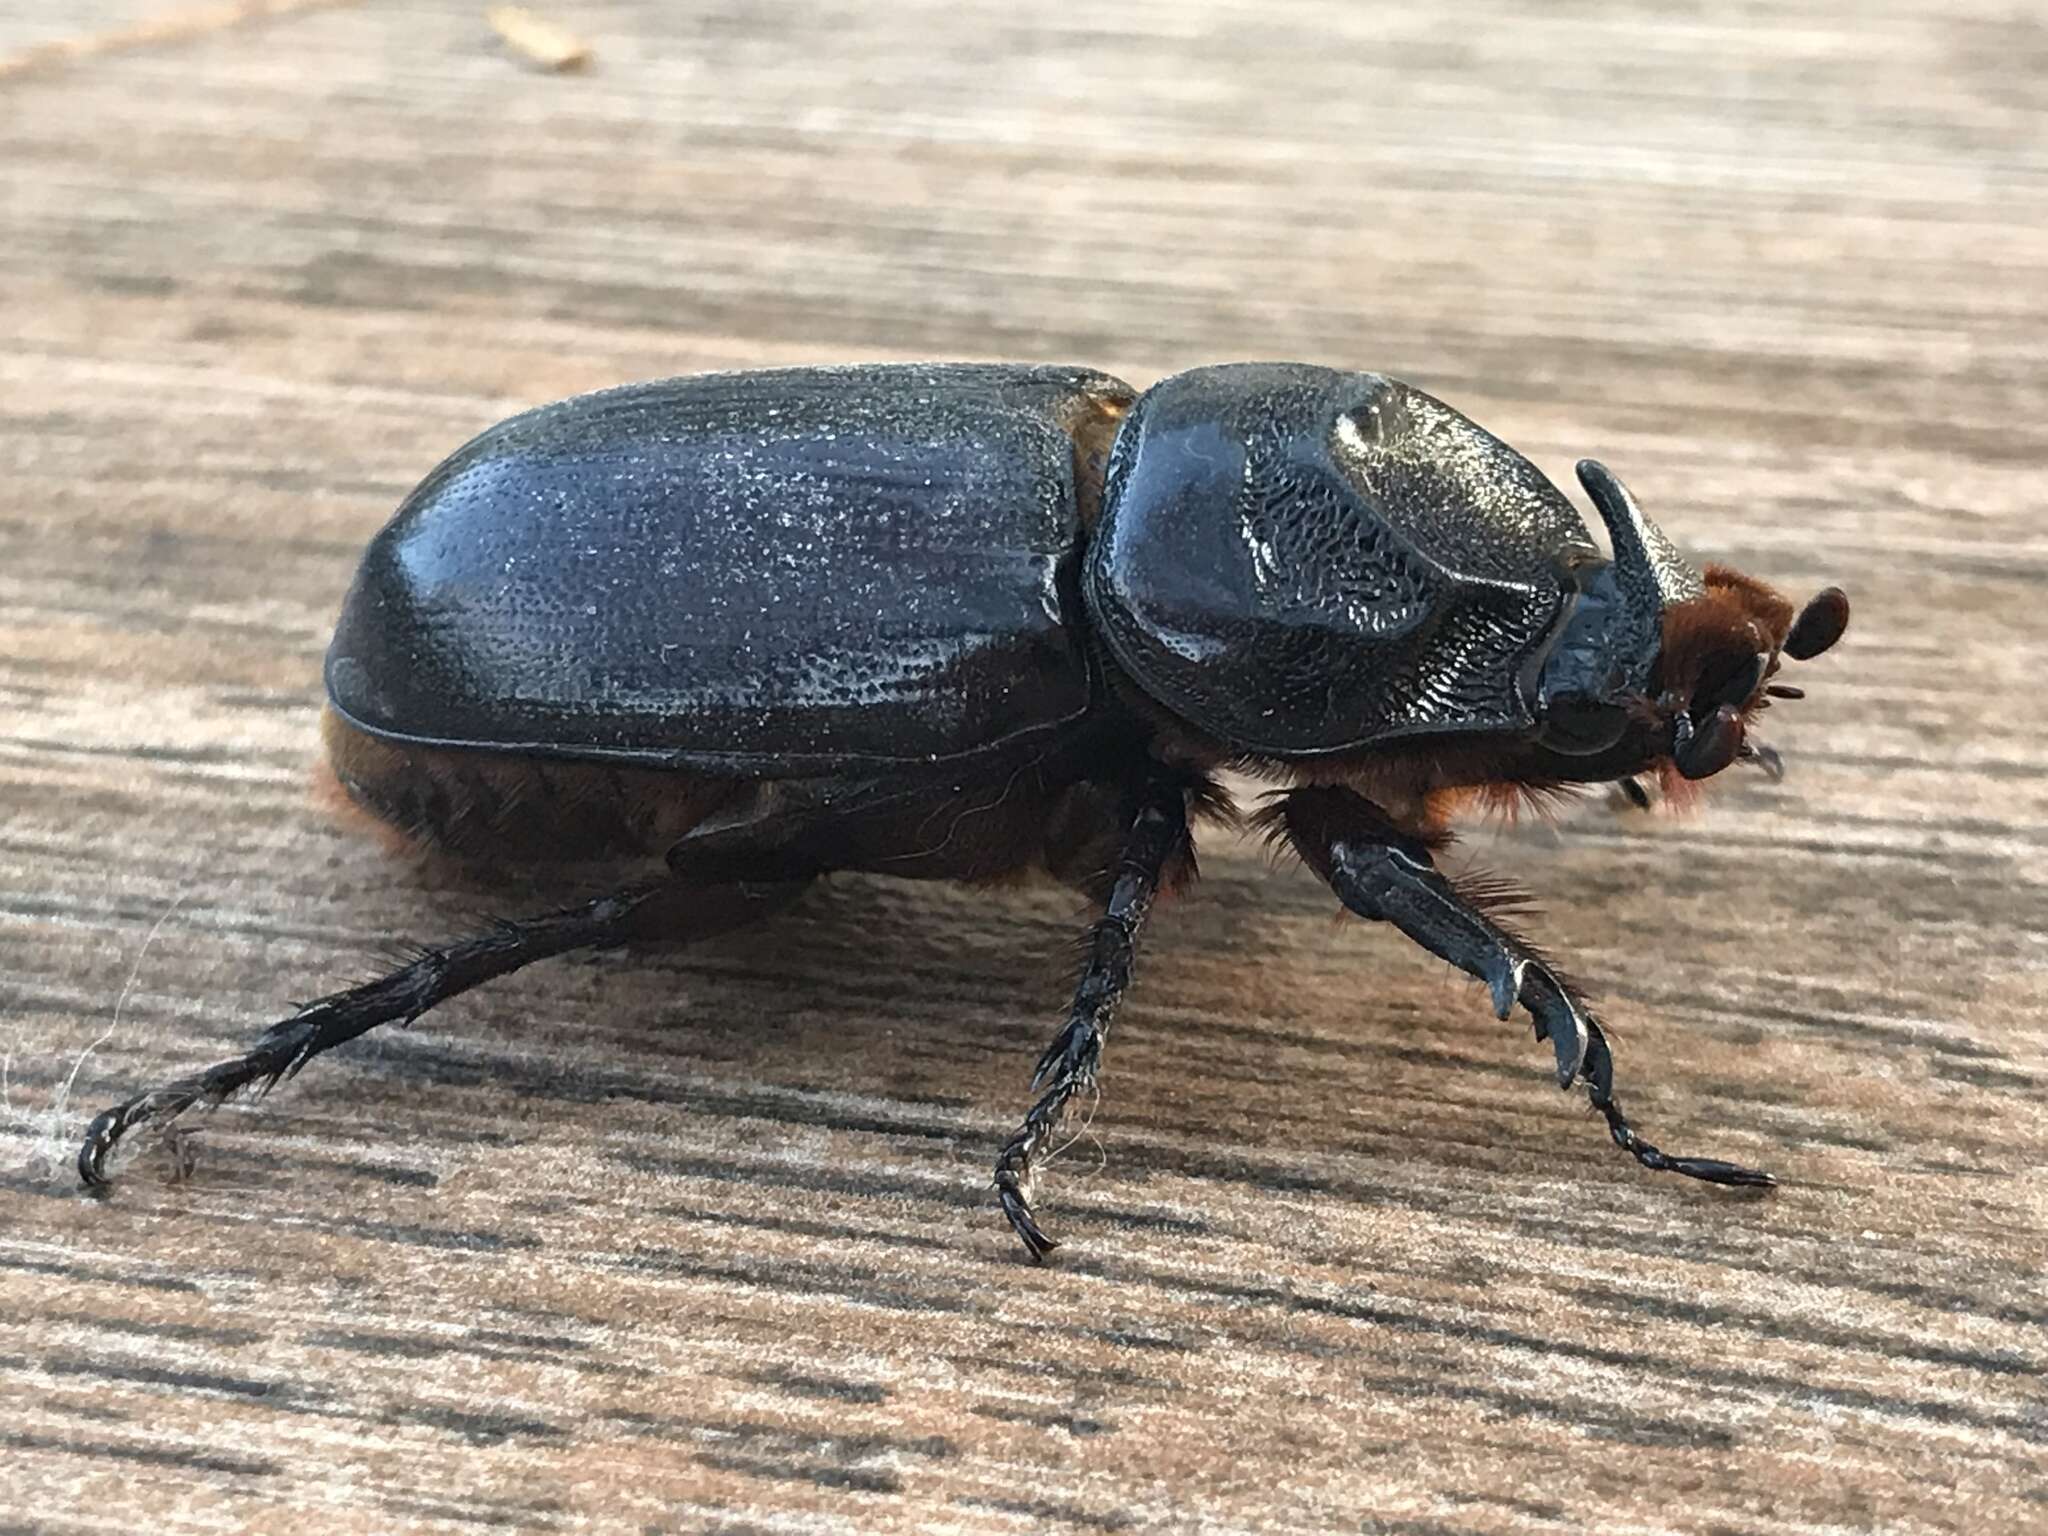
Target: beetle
x: 962, y: 621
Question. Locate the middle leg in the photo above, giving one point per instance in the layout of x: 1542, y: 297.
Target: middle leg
x: 1156, y: 842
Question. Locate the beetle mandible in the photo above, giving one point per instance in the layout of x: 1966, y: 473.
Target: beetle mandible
x: 769, y: 625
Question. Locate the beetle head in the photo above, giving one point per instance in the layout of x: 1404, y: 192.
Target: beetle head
x: 1662, y: 664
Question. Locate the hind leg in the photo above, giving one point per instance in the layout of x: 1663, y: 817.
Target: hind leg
x: 660, y: 909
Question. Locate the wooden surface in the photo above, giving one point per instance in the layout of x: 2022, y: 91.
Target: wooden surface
x: 703, y: 1239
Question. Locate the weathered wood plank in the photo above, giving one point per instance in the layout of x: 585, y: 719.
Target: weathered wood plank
x: 702, y: 1240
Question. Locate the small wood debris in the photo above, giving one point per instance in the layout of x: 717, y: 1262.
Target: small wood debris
x: 540, y: 42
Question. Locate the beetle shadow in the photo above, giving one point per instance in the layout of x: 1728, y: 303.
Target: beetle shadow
x: 921, y: 992
x: 910, y: 991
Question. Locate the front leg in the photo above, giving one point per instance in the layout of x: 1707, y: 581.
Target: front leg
x: 1156, y: 843
x: 1380, y: 871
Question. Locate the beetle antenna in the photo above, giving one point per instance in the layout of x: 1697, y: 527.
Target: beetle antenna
x: 1819, y: 625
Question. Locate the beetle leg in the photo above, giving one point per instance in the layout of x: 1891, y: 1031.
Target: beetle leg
x: 1157, y: 838
x: 1599, y: 1077
x: 1381, y: 872
x: 658, y: 909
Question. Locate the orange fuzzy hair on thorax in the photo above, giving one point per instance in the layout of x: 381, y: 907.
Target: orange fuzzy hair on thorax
x: 1710, y: 636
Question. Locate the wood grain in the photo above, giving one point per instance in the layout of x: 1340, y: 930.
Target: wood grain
x: 702, y: 1240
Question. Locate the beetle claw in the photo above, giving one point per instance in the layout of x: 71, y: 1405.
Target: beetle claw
x: 101, y: 1137
x: 161, y: 1107
x: 1014, y: 1179
x: 1018, y: 1209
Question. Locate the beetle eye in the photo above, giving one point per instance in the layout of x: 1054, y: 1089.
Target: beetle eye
x: 1576, y: 729
x: 1733, y: 684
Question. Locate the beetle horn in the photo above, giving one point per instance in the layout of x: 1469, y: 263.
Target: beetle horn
x: 1648, y: 569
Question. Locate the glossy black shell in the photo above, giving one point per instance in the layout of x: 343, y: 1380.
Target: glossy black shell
x: 1301, y: 561
x: 766, y: 573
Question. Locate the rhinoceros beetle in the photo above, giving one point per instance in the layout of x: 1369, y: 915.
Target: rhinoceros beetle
x: 962, y: 621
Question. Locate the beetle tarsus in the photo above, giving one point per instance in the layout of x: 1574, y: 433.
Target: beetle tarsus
x: 1017, y: 1207
x: 1599, y: 1076
x: 1158, y: 837
x: 433, y: 977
